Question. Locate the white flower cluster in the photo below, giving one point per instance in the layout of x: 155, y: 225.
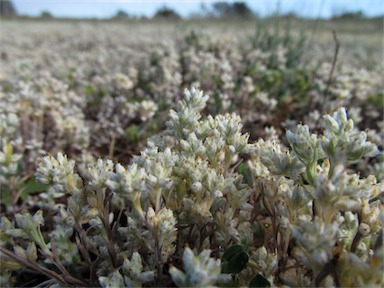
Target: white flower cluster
x: 341, y: 142
x: 185, y: 190
x: 54, y: 171
x: 187, y: 184
x: 132, y: 274
x: 201, y: 270
x: 316, y: 240
x: 320, y: 196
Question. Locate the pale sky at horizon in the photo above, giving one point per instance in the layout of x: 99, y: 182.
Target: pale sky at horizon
x: 106, y: 9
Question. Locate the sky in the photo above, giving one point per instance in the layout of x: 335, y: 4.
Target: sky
x: 108, y: 8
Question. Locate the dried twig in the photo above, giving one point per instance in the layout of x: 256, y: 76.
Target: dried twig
x: 49, y: 273
x: 330, y: 77
x: 104, y: 217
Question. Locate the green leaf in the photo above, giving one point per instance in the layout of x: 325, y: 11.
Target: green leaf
x: 235, y: 258
x: 258, y: 232
x: 232, y: 251
x: 5, y: 197
x: 377, y: 100
x: 132, y: 133
x: 89, y: 91
x: 31, y: 186
x: 259, y: 281
x: 244, y: 170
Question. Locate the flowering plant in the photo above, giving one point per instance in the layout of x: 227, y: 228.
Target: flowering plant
x: 184, y: 213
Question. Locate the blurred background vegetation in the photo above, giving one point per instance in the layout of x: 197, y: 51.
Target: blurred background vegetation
x: 205, y: 10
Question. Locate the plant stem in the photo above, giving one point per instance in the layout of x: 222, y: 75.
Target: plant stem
x: 112, y: 146
x: 49, y: 273
x: 356, y: 241
x: 104, y: 217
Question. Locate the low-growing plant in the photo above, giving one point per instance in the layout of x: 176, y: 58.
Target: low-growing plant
x: 280, y: 41
x: 181, y: 213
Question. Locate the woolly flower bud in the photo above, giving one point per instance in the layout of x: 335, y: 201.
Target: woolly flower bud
x: 113, y: 280
x: 185, y: 119
x: 147, y: 109
x: 134, y: 269
x: 194, y: 99
x: 278, y: 159
x: 217, y: 194
x: 151, y: 217
x: 265, y: 262
x: 338, y: 122
x: 192, y: 146
x: 364, y: 229
x: 371, y: 215
x: 341, y: 142
x: 229, y: 128
x: 200, y: 271
x: 316, y: 239
x: 99, y: 173
x: 9, y: 123
x: 232, y: 148
x: 197, y: 187
x: 127, y: 181
x: 304, y: 144
x: 167, y: 222
x: 52, y: 171
x: 123, y: 82
x: 330, y: 123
